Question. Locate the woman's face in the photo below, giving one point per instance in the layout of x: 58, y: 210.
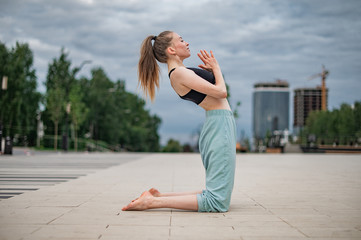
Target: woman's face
x: 181, y: 47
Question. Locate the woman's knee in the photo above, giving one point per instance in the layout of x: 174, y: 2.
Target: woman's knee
x: 208, y: 202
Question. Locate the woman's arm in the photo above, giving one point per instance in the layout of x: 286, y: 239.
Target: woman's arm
x: 210, y: 63
x: 191, y: 80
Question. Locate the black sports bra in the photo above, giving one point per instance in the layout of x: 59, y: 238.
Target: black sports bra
x: 194, y: 95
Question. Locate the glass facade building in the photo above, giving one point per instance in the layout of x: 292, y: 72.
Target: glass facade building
x: 270, y: 108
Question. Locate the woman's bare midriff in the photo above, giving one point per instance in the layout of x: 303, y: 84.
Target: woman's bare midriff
x: 211, y: 103
x: 208, y: 103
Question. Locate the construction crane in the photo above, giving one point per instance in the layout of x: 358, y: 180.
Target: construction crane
x: 323, y: 76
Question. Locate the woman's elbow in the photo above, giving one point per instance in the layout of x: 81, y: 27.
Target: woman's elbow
x: 220, y: 93
x: 223, y: 94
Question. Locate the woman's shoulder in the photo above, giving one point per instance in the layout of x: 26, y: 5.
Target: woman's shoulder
x: 179, y: 72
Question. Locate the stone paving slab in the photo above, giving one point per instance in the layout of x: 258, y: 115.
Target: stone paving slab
x: 21, y: 173
x: 281, y: 196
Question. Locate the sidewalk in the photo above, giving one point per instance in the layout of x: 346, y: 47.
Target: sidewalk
x: 289, y: 196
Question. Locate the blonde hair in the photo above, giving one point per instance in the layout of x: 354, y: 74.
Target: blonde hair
x: 148, y: 69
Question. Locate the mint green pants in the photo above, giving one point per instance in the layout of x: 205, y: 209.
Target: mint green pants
x: 217, y: 145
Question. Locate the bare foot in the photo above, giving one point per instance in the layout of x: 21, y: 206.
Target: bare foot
x: 141, y: 203
x: 154, y: 192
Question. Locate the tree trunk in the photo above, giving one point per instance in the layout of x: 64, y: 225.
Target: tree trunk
x: 56, y: 136
x: 75, y: 138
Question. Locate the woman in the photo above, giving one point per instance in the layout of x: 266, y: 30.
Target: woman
x: 205, y: 87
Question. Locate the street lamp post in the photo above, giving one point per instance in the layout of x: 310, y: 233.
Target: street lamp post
x: 4, y: 86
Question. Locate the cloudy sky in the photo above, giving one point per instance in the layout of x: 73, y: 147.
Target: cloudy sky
x: 253, y: 40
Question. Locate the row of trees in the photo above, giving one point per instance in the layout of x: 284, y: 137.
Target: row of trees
x: 91, y: 111
x: 341, y: 126
x: 19, y: 100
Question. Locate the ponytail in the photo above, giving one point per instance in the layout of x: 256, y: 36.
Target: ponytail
x: 148, y: 69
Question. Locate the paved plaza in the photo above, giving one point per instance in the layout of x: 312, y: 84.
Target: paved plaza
x: 276, y: 196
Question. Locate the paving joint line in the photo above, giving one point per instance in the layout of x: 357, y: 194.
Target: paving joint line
x: 170, y: 224
x: 294, y: 227
x: 55, y: 219
x: 279, y: 217
x: 71, y: 209
x: 35, y: 230
x: 258, y: 203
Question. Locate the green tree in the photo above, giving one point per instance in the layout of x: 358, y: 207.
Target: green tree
x: 78, y: 110
x: 347, y: 124
x: 58, y: 84
x: 20, y: 101
x: 54, y: 100
x: 173, y: 146
x: 357, y: 115
x: 238, y: 103
x: 98, y: 108
x: 340, y: 126
x: 97, y: 98
x: 142, y: 126
x: 117, y: 116
x: 59, y: 73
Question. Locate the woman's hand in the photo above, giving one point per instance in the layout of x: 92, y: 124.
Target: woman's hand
x: 209, y: 61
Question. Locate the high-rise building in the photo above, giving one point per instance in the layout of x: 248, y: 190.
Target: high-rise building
x: 270, y: 108
x: 305, y: 100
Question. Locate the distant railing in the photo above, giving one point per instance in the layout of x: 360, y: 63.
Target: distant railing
x: 313, y: 139
x: 47, y: 143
